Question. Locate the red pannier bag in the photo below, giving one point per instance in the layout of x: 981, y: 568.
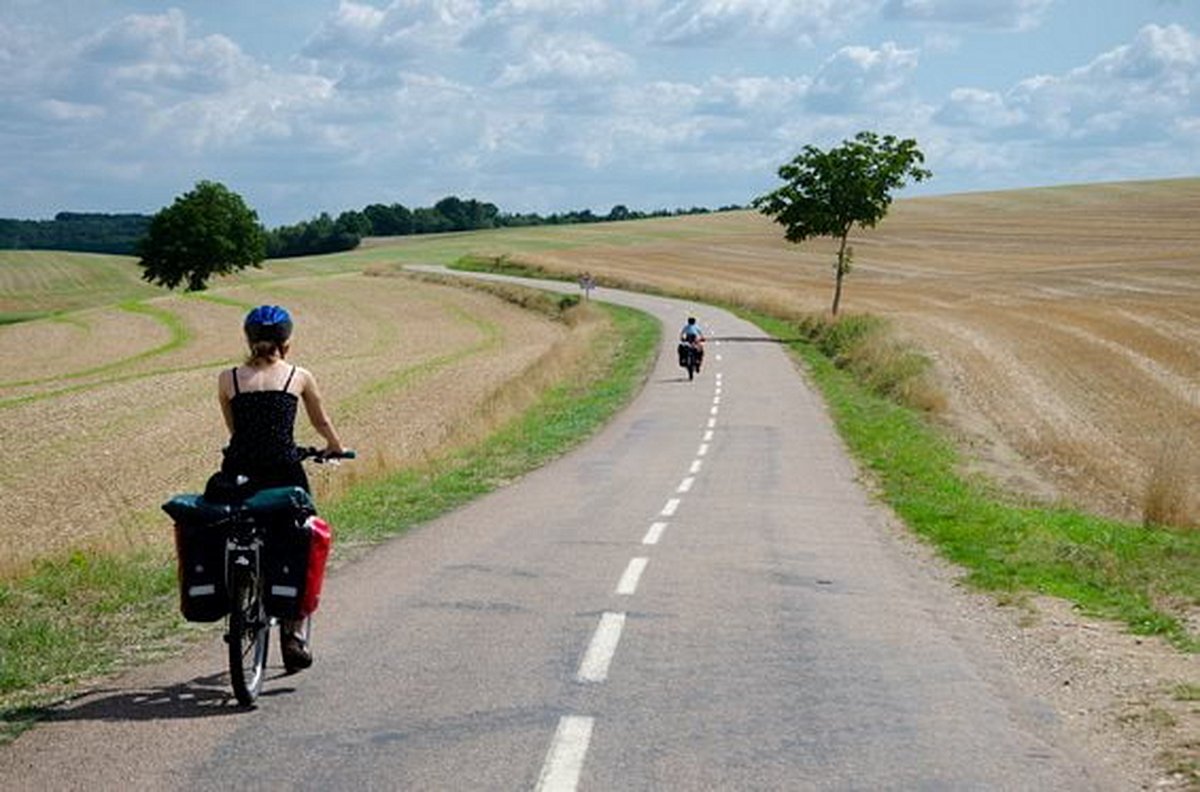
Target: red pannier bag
x: 296, y: 554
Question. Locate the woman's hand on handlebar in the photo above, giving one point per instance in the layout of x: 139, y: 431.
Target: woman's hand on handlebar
x: 320, y: 455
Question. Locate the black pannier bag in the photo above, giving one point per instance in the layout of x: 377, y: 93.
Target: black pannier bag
x: 200, y: 556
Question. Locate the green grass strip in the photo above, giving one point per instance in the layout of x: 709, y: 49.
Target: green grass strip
x: 1109, y: 568
x: 180, y: 336
x: 76, y: 617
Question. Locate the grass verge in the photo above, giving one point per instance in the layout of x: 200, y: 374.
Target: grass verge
x: 1144, y: 577
x: 87, y: 614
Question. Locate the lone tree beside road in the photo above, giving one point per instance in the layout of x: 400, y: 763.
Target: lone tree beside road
x: 208, y: 231
x: 828, y: 192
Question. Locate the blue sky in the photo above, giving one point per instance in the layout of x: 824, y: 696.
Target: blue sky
x: 304, y: 106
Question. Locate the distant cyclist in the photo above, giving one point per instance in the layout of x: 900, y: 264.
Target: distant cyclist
x: 693, y: 336
x: 259, y: 400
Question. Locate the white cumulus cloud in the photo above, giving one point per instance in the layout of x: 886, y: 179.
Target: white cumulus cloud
x: 708, y: 22
x: 857, y: 76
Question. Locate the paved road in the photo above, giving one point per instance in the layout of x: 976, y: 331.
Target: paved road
x: 702, y: 597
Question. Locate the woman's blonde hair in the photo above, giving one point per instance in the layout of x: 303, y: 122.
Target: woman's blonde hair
x: 264, y: 350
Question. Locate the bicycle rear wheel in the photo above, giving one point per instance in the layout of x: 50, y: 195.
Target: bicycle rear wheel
x: 249, y: 634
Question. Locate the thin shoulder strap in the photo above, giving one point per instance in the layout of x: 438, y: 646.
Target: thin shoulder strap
x: 291, y: 374
x: 233, y: 371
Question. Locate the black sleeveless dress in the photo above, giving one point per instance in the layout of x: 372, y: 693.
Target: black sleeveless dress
x: 263, y: 448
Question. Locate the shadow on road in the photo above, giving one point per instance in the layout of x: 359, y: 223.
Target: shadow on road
x: 202, y: 697
x: 755, y: 339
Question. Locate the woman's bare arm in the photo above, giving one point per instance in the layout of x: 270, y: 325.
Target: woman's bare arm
x: 317, y: 416
x: 224, y: 387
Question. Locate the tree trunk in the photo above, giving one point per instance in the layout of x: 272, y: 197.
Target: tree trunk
x: 841, y: 273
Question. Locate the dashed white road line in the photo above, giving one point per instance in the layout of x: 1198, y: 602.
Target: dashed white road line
x: 564, y: 760
x: 655, y: 533
x: 568, y: 749
x: 600, y: 651
x: 633, y: 573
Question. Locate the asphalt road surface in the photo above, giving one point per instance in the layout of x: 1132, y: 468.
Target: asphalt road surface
x: 701, y: 597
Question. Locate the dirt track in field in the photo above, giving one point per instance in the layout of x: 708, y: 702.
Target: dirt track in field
x: 107, y: 412
x: 1064, y: 322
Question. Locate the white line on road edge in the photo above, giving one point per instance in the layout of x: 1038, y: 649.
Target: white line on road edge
x: 695, y: 468
x: 686, y: 484
x: 670, y: 508
x: 600, y: 651
x: 564, y: 760
x: 702, y: 450
x: 708, y: 435
x: 633, y: 573
x: 655, y: 533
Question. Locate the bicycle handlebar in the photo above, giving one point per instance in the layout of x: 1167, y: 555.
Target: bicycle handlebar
x: 320, y: 456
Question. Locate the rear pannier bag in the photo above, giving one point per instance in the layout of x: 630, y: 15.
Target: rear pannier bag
x: 200, y: 556
x: 295, y: 558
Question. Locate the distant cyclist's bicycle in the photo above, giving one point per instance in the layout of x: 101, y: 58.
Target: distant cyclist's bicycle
x: 254, y: 561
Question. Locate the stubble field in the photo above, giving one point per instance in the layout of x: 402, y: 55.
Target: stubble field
x: 110, y: 410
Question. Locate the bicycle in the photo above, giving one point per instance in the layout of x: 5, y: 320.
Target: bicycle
x: 690, y: 355
x: 260, y: 573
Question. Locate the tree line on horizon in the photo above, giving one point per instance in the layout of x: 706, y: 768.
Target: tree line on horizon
x: 120, y: 234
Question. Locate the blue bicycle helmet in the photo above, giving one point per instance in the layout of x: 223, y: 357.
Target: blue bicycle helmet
x: 268, y: 323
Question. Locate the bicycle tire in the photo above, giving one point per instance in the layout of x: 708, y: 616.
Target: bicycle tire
x: 249, y: 638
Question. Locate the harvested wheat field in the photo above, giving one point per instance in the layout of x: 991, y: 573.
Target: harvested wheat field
x: 109, y: 411
x: 1064, y: 322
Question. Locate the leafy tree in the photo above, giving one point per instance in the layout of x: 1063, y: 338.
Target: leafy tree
x: 829, y: 192
x: 619, y: 212
x: 353, y: 224
x: 208, y: 231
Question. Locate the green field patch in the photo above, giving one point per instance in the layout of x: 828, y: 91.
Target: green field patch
x: 41, y: 282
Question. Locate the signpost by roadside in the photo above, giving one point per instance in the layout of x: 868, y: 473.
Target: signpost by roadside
x: 587, y: 283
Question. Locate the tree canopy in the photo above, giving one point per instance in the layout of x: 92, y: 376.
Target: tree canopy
x: 827, y: 193
x: 208, y: 231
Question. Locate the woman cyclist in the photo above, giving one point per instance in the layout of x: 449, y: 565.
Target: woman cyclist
x: 259, y: 400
